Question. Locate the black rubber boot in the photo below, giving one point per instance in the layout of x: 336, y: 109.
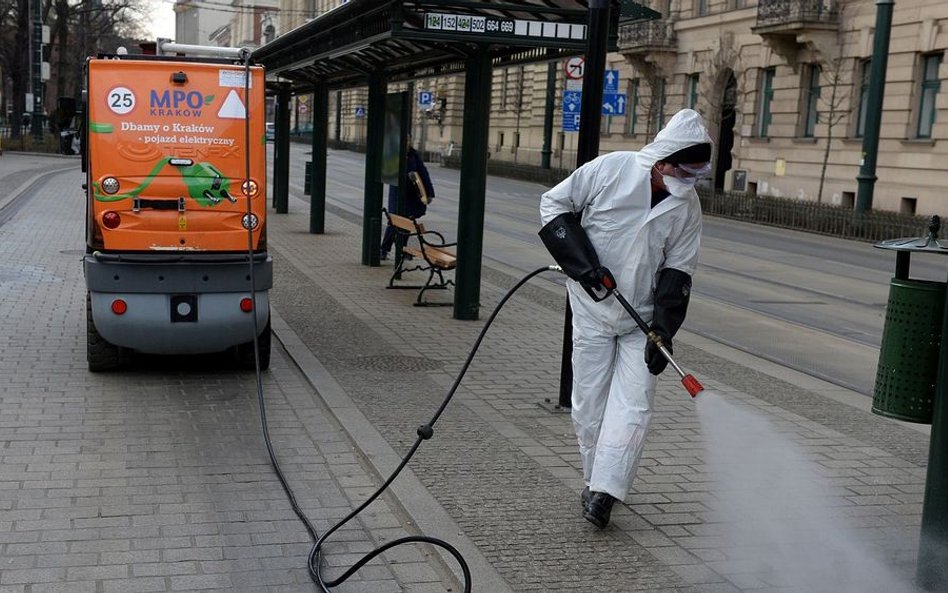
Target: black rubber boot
x: 599, y: 509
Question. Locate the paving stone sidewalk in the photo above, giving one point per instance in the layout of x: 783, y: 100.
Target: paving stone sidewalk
x: 156, y: 478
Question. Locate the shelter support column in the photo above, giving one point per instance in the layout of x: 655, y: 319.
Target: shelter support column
x: 372, y: 202
x: 477, y: 96
x: 932, y: 569
x: 547, y: 149
x: 281, y: 152
x: 317, y: 194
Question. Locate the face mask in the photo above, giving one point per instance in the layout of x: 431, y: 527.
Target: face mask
x: 677, y: 186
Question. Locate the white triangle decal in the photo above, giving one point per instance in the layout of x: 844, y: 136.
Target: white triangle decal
x: 233, y: 107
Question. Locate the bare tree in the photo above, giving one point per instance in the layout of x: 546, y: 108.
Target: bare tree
x: 836, y: 108
x: 78, y: 28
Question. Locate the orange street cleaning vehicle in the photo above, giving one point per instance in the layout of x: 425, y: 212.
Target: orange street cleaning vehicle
x: 175, y: 163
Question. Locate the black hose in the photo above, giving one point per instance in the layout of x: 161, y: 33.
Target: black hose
x: 425, y: 432
x: 261, y: 404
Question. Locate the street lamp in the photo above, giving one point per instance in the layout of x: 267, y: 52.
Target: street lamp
x: 866, y: 178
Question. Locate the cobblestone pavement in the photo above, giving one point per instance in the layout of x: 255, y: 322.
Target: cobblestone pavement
x: 156, y: 479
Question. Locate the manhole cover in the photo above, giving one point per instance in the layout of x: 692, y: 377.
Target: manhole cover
x: 393, y: 363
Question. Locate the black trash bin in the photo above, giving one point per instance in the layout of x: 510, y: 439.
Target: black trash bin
x: 907, y: 374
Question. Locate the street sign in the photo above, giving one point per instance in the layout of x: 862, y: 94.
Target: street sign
x: 614, y: 104
x: 533, y: 31
x: 572, y: 100
x: 425, y: 99
x: 610, y: 82
x: 575, y: 67
x: 571, y: 122
x: 360, y: 111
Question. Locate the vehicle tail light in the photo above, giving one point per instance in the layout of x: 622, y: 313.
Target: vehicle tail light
x: 246, y: 304
x: 111, y: 220
x: 119, y: 307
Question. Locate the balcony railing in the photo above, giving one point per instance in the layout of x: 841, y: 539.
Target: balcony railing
x: 795, y: 14
x: 647, y: 36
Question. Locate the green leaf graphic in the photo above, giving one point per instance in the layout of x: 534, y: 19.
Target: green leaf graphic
x: 208, y: 99
x: 97, y: 128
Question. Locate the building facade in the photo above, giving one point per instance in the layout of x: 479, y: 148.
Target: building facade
x: 783, y: 85
x: 195, y: 22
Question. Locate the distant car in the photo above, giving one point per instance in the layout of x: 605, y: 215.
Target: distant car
x: 271, y: 131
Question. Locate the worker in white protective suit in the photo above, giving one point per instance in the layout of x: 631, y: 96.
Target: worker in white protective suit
x: 642, y: 218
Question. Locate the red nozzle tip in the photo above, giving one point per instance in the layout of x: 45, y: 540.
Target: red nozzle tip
x: 692, y: 385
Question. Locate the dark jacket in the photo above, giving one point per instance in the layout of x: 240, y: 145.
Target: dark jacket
x: 413, y: 206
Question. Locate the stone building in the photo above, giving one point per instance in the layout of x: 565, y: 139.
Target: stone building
x: 782, y: 84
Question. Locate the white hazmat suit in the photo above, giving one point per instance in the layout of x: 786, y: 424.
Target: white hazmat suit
x: 612, y: 387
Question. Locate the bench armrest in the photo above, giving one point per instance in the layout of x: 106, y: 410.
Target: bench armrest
x: 440, y: 238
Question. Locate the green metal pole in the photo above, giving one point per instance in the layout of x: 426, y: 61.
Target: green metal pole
x: 338, y: 130
x: 477, y: 97
x: 401, y: 102
x: 932, y: 569
x: 372, y: 203
x: 281, y: 152
x: 547, y: 149
x: 866, y: 178
x: 317, y: 183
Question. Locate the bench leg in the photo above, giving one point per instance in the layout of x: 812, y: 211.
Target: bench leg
x: 397, y: 275
x: 441, y: 285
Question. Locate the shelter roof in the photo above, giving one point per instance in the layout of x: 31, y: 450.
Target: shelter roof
x: 410, y: 39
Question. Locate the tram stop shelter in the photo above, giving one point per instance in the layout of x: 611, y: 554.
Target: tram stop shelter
x: 376, y: 42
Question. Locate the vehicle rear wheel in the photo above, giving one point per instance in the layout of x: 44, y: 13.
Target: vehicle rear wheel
x: 100, y: 353
x: 245, y: 357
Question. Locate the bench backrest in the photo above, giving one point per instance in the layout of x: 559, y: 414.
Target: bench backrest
x: 403, y: 223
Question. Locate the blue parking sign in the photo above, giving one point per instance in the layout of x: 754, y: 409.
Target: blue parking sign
x: 571, y: 122
x: 425, y: 98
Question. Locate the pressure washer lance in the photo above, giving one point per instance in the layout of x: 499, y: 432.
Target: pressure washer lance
x: 688, y: 380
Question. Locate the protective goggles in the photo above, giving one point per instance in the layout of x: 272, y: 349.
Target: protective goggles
x: 695, y: 172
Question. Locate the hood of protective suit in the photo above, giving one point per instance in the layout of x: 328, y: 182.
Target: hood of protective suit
x: 685, y: 129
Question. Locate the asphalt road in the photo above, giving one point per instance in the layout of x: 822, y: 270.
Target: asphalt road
x: 808, y: 302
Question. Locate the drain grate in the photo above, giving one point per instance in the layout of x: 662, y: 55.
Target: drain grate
x: 393, y: 363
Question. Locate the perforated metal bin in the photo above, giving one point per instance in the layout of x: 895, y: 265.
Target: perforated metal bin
x: 908, y: 358
x: 907, y: 374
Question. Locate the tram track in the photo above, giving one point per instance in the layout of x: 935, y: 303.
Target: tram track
x: 755, y: 296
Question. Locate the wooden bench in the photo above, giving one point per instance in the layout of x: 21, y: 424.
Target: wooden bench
x: 427, y: 255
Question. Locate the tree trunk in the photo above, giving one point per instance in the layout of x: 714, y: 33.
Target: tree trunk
x: 830, y: 123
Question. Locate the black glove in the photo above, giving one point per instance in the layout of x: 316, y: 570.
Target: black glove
x: 567, y: 241
x: 598, y: 279
x: 654, y: 358
x: 672, y: 294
